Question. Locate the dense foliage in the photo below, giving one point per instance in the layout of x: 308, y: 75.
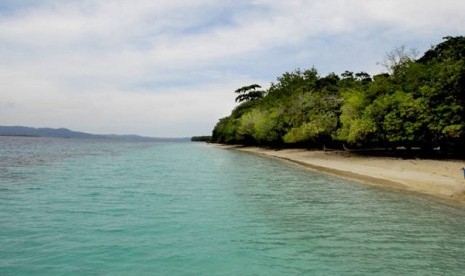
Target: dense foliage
x: 419, y: 103
x: 201, y: 138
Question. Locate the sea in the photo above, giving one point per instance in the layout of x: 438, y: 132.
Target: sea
x: 105, y: 207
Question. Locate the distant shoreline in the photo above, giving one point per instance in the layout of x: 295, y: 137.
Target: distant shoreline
x: 438, y: 178
x: 19, y: 135
x: 23, y: 131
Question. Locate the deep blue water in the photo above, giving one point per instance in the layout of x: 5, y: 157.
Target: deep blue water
x: 89, y: 207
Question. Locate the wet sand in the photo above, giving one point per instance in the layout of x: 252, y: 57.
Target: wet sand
x: 440, y: 178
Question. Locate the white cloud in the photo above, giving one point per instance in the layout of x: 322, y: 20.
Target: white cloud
x: 169, y: 67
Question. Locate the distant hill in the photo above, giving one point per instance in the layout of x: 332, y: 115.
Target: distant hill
x: 67, y: 133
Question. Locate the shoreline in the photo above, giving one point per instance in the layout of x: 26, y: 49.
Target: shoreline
x: 439, y: 178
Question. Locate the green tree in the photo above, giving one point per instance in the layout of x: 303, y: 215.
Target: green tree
x: 417, y: 103
x: 357, y: 127
x: 444, y: 91
x: 249, y: 93
x: 399, y: 118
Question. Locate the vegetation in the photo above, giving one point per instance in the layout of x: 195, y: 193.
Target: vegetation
x: 201, y: 139
x: 418, y: 103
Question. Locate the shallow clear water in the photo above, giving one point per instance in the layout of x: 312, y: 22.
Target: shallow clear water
x: 84, y: 207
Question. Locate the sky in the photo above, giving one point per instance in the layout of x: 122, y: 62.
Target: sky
x: 169, y: 68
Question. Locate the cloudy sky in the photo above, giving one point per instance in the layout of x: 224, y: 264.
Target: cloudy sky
x: 168, y: 68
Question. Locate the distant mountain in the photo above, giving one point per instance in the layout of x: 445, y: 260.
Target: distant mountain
x: 66, y: 133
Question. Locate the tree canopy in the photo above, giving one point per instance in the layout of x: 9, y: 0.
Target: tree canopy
x: 249, y: 93
x: 416, y: 103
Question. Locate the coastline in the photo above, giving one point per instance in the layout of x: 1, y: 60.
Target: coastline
x: 438, y: 178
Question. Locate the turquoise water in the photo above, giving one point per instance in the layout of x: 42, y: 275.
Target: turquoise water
x: 83, y: 207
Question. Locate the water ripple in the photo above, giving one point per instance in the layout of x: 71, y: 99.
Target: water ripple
x: 93, y: 208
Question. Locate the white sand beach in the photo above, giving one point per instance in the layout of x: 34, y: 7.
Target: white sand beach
x: 441, y: 178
